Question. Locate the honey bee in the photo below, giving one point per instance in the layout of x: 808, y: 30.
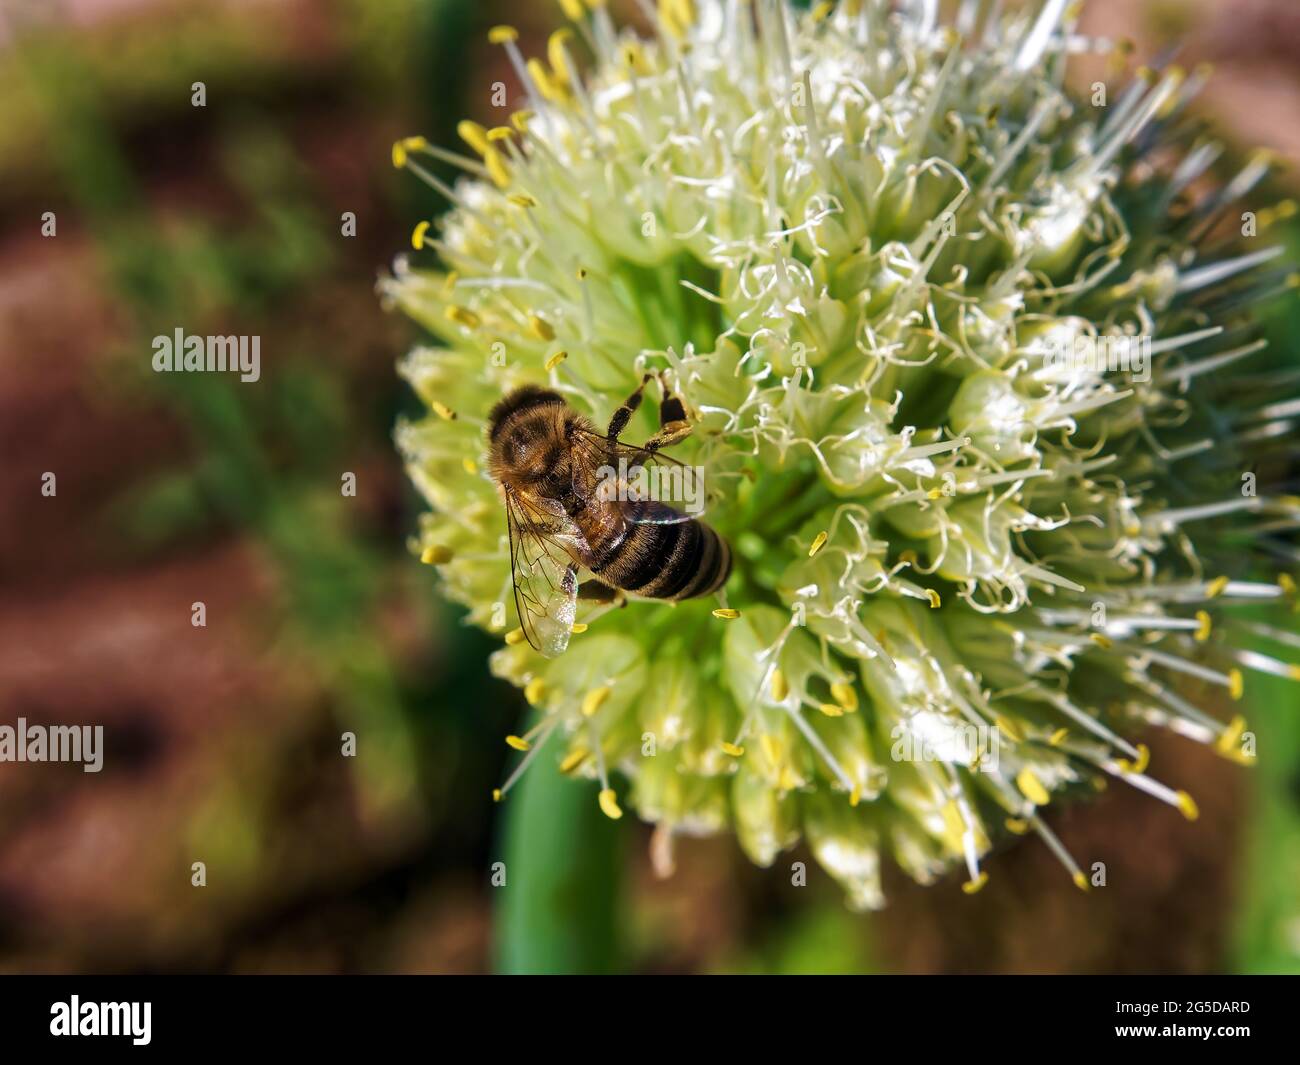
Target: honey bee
x: 565, y: 511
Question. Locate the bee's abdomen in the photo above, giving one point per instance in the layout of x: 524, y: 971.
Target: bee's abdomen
x: 678, y: 561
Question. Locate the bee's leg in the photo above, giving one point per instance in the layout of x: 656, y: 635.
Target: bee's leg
x: 594, y: 591
x: 673, y: 426
x: 624, y: 413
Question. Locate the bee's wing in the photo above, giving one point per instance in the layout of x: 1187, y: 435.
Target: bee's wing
x: 684, y: 485
x: 652, y: 512
x: 545, y: 578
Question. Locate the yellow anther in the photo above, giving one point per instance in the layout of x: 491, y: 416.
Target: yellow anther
x: 609, y: 804
x: 1058, y: 737
x: 496, y: 167
x: 779, y: 687
x: 933, y: 596
x: 1187, y: 806
x: 469, y: 466
x: 551, y: 91
x: 934, y: 493
x: 823, y: 9
x: 635, y: 59
x: 515, y: 636
x: 594, y: 700
x: 436, y: 555
x: 846, y: 695
x: 541, y: 328
x: 502, y: 34
x: 499, y: 133
x: 449, y: 282
x: 520, y: 120
x: 787, y: 780
x: 1204, y: 626
x: 1140, y: 766
x: 818, y: 543
x: 496, y: 794
x: 442, y: 411
x: 1236, y: 684
x: 677, y: 16
x: 771, y: 749
x: 518, y: 743
x: 1287, y: 583
x: 1104, y: 642
x: 573, y: 10
x: 1230, y: 738
x: 1215, y: 588
x: 733, y: 750
x: 1177, y: 75
x: 1010, y: 728
x: 462, y: 316
x: 1016, y: 825
x: 1032, y: 788
x: 1081, y: 881
x: 406, y: 145
x: 579, y: 627
x: 726, y: 613
x: 474, y: 135
x: 555, y: 53
x: 831, y: 710
x: 574, y: 759
x: 668, y: 18
x: 417, y: 235
x: 855, y: 796
x: 534, y: 690
x: 555, y: 360
x: 971, y: 886
x: 907, y: 555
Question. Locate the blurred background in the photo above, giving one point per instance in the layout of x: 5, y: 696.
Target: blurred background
x: 223, y: 742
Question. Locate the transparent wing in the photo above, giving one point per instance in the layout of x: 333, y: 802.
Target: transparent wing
x: 545, y: 578
x: 653, y: 487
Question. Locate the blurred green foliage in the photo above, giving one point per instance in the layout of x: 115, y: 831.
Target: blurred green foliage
x: 1267, y: 925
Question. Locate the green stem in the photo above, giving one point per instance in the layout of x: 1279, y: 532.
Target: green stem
x: 557, y: 911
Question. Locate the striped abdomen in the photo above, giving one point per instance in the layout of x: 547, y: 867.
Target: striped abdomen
x: 677, y: 561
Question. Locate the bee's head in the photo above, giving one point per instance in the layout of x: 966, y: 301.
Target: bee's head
x: 531, y: 434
